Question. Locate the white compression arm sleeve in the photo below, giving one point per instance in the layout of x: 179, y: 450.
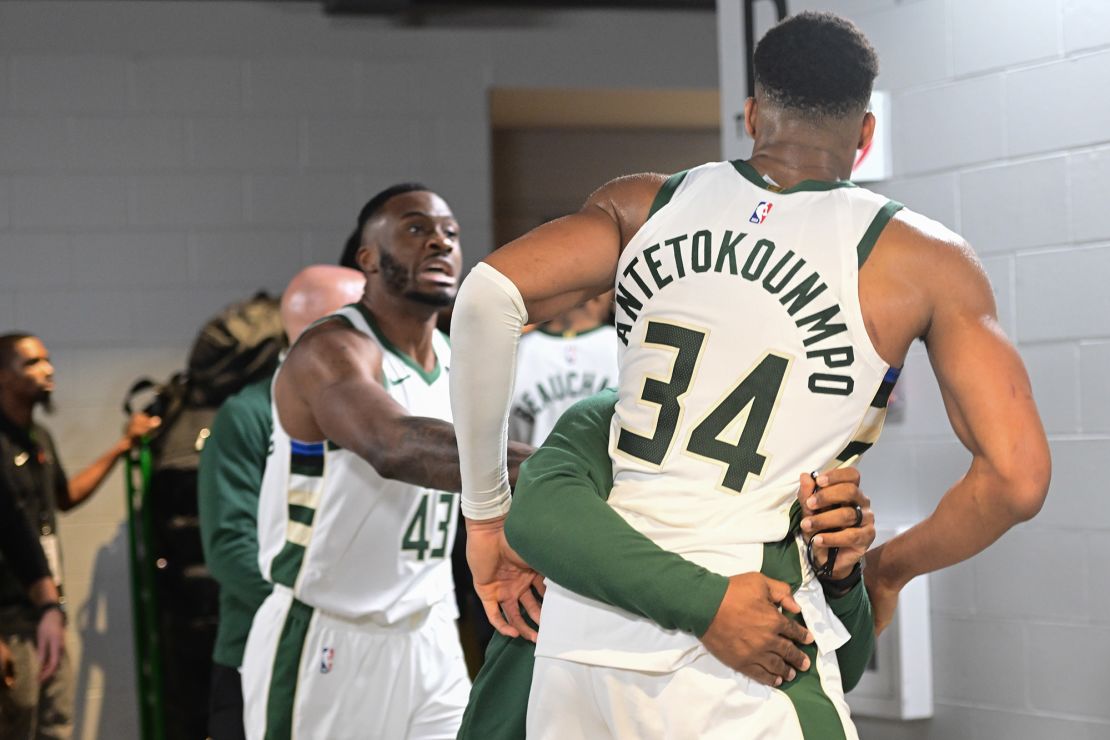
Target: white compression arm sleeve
x: 485, y: 329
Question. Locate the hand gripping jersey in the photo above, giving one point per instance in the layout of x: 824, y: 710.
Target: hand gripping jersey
x: 744, y: 362
x: 345, y: 539
x: 553, y: 373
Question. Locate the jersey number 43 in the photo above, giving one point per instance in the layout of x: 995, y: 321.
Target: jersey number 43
x: 433, y: 520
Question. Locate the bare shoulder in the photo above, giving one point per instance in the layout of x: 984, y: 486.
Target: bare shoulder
x: 922, y: 239
x: 627, y: 200
x: 629, y: 187
x: 918, y: 267
x: 942, y: 263
x: 333, y: 351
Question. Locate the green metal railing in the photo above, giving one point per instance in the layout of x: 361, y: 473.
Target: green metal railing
x: 144, y: 603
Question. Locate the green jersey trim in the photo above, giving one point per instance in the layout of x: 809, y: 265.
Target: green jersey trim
x: 666, y: 191
x: 750, y: 174
x: 429, y: 376
x: 287, y: 564
x: 283, y: 679
x: 882, y: 218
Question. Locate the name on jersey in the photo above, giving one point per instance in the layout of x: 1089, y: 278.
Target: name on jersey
x: 780, y: 273
x: 558, y: 387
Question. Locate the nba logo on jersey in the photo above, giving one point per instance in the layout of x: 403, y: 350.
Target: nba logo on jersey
x: 571, y: 354
x: 759, y: 215
x: 327, y: 660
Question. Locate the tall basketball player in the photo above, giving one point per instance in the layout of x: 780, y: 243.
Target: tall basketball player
x: 764, y: 308
x: 356, y: 513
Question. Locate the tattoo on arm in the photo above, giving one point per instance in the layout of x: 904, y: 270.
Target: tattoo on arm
x: 425, y: 453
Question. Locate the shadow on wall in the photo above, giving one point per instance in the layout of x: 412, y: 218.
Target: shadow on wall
x: 107, y: 658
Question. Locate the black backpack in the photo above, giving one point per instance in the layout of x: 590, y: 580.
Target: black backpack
x: 236, y: 347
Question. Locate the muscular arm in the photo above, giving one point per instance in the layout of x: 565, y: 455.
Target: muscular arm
x: 990, y: 404
x: 549, y: 270
x: 330, y: 388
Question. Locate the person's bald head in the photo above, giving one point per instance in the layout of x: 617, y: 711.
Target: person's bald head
x: 315, y: 292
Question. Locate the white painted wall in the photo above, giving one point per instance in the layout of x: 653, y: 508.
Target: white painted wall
x: 1002, y: 132
x: 159, y: 159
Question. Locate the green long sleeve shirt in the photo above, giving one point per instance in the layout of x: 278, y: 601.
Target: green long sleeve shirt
x: 228, y: 483
x: 561, y: 524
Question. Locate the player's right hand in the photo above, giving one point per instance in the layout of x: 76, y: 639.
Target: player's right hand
x: 503, y: 581
x: 830, y: 507
x: 750, y: 634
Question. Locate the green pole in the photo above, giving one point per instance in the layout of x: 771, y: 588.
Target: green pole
x: 144, y: 607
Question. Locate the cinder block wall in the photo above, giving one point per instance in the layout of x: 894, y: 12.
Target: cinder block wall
x: 158, y: 160
x: 1002, y: 132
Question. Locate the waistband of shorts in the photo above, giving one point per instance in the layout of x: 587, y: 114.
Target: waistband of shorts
x: 371, y: 623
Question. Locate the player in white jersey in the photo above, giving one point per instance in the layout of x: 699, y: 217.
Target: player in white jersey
x: 764, y: 307
x: 561, y: 362
x: 357, y: 509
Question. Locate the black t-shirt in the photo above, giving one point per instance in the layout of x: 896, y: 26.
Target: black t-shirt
x: 32, y: 476
x: 19, y: 543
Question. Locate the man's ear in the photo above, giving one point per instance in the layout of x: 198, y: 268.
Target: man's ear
x: 866, y: 130
x: 749, y: 116
x: 367, y: 257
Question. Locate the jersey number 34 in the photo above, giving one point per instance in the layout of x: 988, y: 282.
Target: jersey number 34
x: 756, y: 394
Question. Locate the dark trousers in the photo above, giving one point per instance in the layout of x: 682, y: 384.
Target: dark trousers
x: 225, y: 704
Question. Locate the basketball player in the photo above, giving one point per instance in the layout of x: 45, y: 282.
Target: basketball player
x: 228, y: 483
x: 356, y: 514
x: 561, y: 362
x: 764, y: 308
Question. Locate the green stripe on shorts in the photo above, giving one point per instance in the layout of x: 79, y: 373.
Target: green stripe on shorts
x: 287, y: 663
x: 816, y: 714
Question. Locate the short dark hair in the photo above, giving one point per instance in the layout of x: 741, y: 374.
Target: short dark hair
x: 375, y: 204
x: 7, y: 347
x: 817, y: 64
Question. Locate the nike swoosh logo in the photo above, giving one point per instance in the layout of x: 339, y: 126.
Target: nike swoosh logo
x: 398, y: 381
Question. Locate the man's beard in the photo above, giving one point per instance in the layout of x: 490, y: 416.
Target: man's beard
x: 45, y: 400
x: 396, y: 278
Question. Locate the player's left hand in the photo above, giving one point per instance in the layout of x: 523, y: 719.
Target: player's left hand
x: 835, y: 502
x: 502, y: 579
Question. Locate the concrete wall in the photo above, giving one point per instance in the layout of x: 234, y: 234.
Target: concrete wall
x: 158, y: 160
x: 1002, y: 132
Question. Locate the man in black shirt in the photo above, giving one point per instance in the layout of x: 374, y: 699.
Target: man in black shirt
x: 19, y: 546
x: 39, y: 706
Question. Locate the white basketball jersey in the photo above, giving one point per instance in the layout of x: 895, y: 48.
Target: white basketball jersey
x: 553, y: 372
x: 345, y: 539
x: 744, y: 362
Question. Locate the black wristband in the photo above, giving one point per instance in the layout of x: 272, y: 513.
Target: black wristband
x: 52, y: 605
x: 835, y: 589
